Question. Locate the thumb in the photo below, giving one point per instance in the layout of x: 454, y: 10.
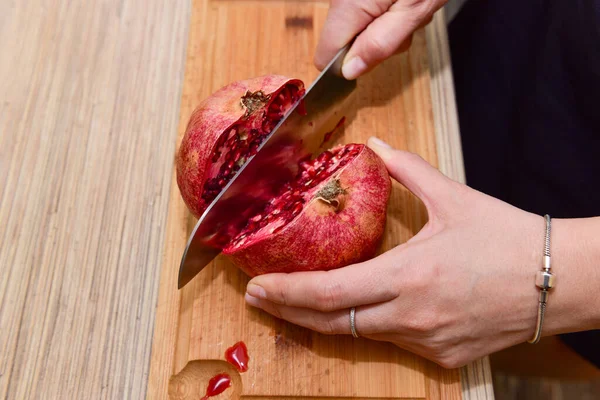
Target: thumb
x: 412, y: 171
x: 346, y: 19
x: 385, y: 36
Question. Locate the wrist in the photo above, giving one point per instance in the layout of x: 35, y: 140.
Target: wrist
x: 573, y: 303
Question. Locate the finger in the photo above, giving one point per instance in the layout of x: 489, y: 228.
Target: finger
x: 412, y: 171
x: 380, y: 40
x: 369, y: 320
x: 345, y: 19
x: 364, y: 283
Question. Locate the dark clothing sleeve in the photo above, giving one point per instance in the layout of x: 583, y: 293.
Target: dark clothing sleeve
x: 527, y: 76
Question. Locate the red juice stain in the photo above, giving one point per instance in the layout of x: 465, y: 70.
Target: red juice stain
x: 217, y: 385
x: 237, y: 355
x: 337, y: 126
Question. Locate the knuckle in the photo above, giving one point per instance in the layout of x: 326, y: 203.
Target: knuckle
x: 426, y: 8
x: 449, y: 361
x: 328, y: 327
x: 426, y: 325
x: 372, y: 8
x: 322, y: 325
x: 379, y: 48
x: 431, y: 275
x: 426, y: 278
x: 276, y: 312
x: 282, y: 291
x: 438, y: 347
x: 328, y: 299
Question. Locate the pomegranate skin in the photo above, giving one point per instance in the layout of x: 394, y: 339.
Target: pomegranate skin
x: 321, y: 237
x: 212, y: 118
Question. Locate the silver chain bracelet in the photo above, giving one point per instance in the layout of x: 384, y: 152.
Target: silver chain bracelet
x: 545, y: 281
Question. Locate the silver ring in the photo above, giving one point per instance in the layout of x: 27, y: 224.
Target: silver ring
x: 353, y: 322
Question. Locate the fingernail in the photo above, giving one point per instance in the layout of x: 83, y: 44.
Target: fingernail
x: 256, y: 291
x: 353, y: 68
x: 379, y: 142
x: 253, y: 301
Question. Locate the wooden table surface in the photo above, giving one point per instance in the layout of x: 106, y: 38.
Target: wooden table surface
x: 89, y: 106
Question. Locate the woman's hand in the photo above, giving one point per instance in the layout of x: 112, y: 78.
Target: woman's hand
x: 463, y: 287
x: 384, y: 27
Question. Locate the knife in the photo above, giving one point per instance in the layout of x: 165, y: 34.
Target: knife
x: 296, y: 136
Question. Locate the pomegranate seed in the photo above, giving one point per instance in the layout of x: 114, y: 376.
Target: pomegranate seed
x: 279, y: 228
x: 212, y: 184
x: 267, y: 126
x: 251, y: 225
x: 297, y: 208
x: 283, y: 95
x: 293, y: 90
x: 236, y: 155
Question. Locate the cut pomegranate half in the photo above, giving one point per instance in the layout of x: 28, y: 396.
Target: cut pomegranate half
x: 225, y: 130
x: 334, y: 208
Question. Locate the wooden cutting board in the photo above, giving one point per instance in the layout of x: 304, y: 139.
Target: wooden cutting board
x: 231, y: 40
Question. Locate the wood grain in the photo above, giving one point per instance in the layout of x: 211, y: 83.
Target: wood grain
x: 208, y: 315
x: 89, y: 96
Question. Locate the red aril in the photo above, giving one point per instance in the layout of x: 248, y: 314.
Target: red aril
x: 225, y: 129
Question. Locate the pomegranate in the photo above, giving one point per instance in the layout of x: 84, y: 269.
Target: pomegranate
x: 331, y: 214
x: 225, y: 129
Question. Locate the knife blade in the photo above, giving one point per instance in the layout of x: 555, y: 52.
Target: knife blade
x: 299, y: 134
